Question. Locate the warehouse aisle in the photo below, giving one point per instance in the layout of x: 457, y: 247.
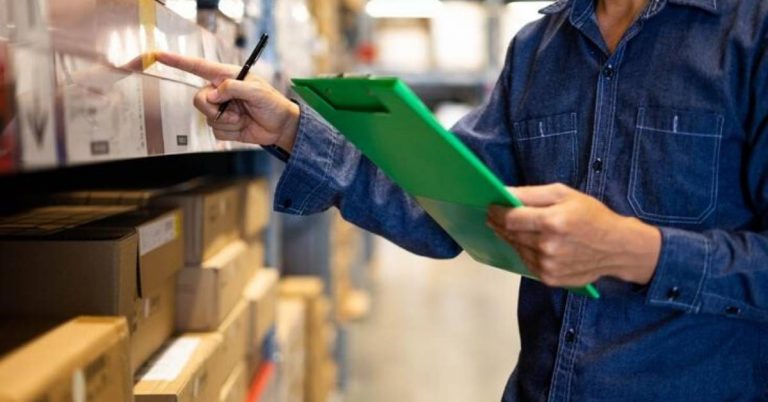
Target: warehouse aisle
x: 439, y: 331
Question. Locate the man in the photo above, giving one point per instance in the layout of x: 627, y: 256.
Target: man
x: 656, y: 111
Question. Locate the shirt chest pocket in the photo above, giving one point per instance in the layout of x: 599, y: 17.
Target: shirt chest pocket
x: 546, y: 148
x: 675, y: 163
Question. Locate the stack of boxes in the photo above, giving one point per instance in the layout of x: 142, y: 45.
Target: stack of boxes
x: 183, y: 272
x: 350, y: 302
x: 320, y: 369
x: 65, y: 261
x: 84, y: 359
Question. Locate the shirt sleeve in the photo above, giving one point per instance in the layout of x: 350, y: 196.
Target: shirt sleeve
x: 717, y: 271
x: 325, y: 170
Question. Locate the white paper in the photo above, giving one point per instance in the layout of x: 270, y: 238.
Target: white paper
x: 155, y: 234
x: 172, y: 361
x: 103, y: 112
x: 178, y: 118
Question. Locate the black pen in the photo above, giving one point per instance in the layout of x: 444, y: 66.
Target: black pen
x: 246, y: 67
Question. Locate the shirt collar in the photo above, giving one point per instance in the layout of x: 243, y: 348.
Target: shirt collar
x: 579, y: 7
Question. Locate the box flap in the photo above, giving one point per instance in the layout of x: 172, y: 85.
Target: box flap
x: 161, y: 247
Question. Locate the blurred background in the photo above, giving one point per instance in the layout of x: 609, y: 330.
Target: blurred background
x: 85, y: 109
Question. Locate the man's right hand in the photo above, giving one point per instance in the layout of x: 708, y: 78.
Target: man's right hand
x: 258, y: 113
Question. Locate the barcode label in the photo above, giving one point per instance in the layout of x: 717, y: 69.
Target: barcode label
x: 155, y: 234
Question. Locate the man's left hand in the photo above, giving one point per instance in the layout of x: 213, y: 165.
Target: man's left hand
x: 569, y: 239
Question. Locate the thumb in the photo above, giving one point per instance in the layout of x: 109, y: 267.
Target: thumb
x: 233, y: 89
x: 541, y: 196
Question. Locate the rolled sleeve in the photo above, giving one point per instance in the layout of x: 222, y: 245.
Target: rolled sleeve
x: 305, y: 186
x: 681, y: 271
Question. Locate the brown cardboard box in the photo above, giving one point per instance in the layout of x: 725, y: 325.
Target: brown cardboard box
x: 291, y: 339
x: 206, y: 294
x: 211, y: 216
x: 309, y: 290
x: 254, y: 258
x: 182, y: 371
x: 63, y: 262
x: 234, y: 332
x: 261, y: 295
x: 235, y: 388
x: 85, y: 356
x: 256, y: 207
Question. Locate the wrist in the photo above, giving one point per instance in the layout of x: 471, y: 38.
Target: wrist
x: 290, y: 128
x: 641, y: 248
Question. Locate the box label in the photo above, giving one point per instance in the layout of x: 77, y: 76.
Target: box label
x: 158, y: 233
x: 172, y: 361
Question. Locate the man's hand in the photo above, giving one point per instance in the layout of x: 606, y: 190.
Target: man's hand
x: 569, y: 239
x: 258, y: 114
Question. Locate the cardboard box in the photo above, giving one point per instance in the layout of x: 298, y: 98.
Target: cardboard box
x: 207, y: 293
x: 181, y: 371
x: 254, y: 258
x: 83, y: 358
x: 235, y: 388
x: 256, y: 208
x: 234, y: 332
x: 261, y: 296
x: 309, y: 291
x: 211, y: 216
x: 291, y: 338
x: 68, y: 261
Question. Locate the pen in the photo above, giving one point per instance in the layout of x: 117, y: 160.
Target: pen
x: 246, y: 67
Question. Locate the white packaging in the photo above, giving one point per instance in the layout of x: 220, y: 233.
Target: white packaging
x: 33, y: 70
x: 103, y: 111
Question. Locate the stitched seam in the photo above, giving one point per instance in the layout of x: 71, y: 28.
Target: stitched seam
x: 572, y: 362
x: 580, y: 19
x: 695, y: 302
x: 612, y: 130
x: 546, y: 135
x: 596, y: 130
x: 559, y: 358
x: 289, y: 167
x: 635, y: 202
x: 658, y: 130
x: 324, y: 179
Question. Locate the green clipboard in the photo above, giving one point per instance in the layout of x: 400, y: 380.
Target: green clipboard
x: 392, y: 127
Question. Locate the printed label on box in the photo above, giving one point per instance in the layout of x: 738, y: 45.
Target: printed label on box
x: 103, y: 111
x: 158, y: 233
x: 172, y: 361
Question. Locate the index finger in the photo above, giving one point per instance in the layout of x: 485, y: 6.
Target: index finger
x: 208, y: 70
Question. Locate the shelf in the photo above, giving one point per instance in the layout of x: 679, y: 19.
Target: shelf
x: 81, y: 87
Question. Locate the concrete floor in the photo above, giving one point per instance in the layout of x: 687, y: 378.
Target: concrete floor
x: 438, y: 331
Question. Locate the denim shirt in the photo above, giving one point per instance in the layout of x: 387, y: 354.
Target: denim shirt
x: 672, y: 128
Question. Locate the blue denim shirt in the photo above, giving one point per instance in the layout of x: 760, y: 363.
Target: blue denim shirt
x: 672, y: 127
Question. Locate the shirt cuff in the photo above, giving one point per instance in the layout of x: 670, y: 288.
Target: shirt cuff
x: 684, y: 262
x: 305, y: 187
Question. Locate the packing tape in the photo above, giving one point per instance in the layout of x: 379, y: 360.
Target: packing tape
x: 147, y: 23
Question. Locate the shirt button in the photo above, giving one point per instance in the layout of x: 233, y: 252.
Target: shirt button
x: 287, y: 203
x: 673, y: 293
x: 597, y: 165
x: 570, y: 335
x: 733, y: 310
x: 608, y: 72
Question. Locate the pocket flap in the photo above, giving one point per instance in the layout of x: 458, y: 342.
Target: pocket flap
x: 545, y: 126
